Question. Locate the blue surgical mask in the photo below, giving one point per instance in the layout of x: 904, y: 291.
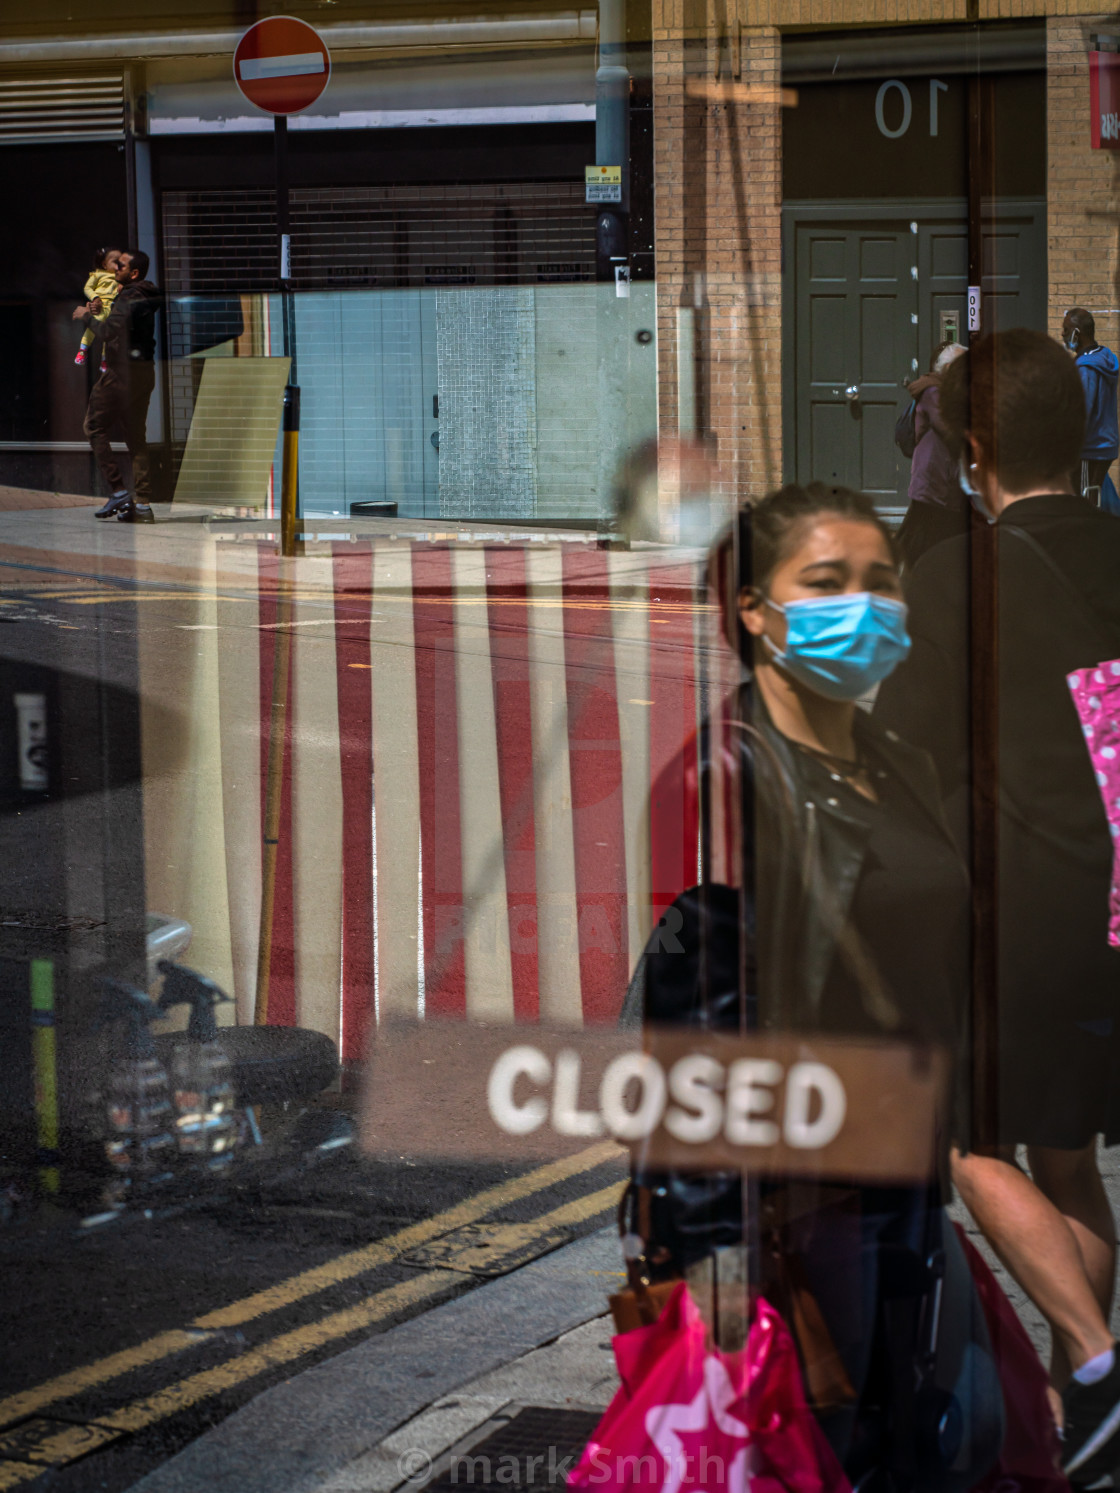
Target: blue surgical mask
x: 841, y: 646
x: 974, y: 495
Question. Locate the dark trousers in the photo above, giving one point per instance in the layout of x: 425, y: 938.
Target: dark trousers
x: 117, y: 401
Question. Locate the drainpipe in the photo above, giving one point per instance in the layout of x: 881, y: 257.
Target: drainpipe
x: 612, y: 253
x: 612, y: 135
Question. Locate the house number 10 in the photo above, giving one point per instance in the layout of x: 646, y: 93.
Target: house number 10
x: 935, y: 87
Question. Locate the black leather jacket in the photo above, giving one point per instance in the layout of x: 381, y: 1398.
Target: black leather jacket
x: 759, y: 957
x: 802, y: 858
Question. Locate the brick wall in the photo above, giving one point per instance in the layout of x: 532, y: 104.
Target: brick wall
x: 718, y: 234
x: 718, y: 172
x: 1083, y: 186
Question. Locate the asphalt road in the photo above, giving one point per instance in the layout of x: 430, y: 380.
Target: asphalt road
x: 124, y: 1342
x: 149, y: 1331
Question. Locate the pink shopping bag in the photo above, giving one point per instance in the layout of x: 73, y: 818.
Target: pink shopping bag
x: 690, y: 1418
x: 1028, y: 1459
x: 1096, y: 697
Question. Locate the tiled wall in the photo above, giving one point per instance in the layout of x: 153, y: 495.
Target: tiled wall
x: 486, y: 370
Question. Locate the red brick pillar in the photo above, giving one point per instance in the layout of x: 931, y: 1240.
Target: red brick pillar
x: 717, y: 168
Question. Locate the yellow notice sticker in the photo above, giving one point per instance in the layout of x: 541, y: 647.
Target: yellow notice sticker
x: 602, y: 183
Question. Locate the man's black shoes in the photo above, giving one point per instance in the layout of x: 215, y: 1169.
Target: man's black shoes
x: 1091, y: 1432
x: 137, y: 513
x: 114, y: 507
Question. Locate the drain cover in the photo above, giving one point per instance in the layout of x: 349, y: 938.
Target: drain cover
x: 535, y: 1449
x: 488, y: 1248
x: 53, y: 1443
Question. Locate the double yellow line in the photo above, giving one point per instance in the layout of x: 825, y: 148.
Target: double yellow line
x: 289, y: 1346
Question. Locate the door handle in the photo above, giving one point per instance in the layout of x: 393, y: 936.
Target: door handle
x: 851, y: 393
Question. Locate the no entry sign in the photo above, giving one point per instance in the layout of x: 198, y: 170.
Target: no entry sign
x: 281, y: 65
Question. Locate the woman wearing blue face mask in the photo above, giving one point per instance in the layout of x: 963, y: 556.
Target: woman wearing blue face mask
x: 820, y: 623
x: 849, y: 918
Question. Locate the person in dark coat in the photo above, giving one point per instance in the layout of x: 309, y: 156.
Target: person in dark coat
x: 1099, y: 370
x: 938, y: 509
x: 1015, y: 413
x: 120, y: 397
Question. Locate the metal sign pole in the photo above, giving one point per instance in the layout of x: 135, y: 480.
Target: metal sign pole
x: 281, y: 659
x: 289, y: 499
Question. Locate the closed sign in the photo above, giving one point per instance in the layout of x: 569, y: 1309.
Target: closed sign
x: 862, y: 1110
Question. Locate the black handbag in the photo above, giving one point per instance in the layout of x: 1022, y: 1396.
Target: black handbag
x: 904, y: 430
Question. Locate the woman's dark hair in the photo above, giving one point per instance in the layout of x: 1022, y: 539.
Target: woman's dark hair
x: 1019, y: 395
x: 100, y: 256
x: 749, y: 550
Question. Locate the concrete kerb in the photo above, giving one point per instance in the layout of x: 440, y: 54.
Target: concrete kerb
x: 304, y: 1434
x: 575, y: 1372
x: 178, y: 550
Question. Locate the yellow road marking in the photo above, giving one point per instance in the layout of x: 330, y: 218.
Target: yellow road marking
x: 307, y: 1283
x: 15, y: 1474
x: 279, y: 1350
x: 358, y: 1261
x: 579, y: 1210
x: 53, y: 1444
x: 16, y: 1406
x: 291, y: 1345
x: 295, y: 1344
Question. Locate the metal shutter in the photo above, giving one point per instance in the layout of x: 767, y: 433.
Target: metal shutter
x: 393, y: 238
x: 514, y: 233
x: 36, y: 109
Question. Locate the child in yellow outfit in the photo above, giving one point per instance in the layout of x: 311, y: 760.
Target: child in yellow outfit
x: 101, y: 285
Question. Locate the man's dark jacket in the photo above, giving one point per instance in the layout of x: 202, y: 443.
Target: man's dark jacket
x: 129, y: 331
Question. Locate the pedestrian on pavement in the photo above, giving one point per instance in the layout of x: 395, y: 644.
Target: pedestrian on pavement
x: 120, y: 396
x: 849, y: 918
x: 1015, y: 413
x: 1098, y: 368
x: 938, y: 508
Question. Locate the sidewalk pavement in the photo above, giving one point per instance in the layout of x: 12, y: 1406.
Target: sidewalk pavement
x: 58, y: 531
x: 23, y: 499
x: 387, y: 1414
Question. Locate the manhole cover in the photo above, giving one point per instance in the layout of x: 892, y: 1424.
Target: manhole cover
x: 488, y: 1248
x: 53, y: 1443
x: 537, y: 1448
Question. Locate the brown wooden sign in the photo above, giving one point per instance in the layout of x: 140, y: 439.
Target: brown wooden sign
x: 690, y: 1100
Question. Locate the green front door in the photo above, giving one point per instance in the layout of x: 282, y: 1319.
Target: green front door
x: 874, y: 290
x: 856, y: 343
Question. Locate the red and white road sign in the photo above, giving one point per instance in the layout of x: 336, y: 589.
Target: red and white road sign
x: 282, y: 65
